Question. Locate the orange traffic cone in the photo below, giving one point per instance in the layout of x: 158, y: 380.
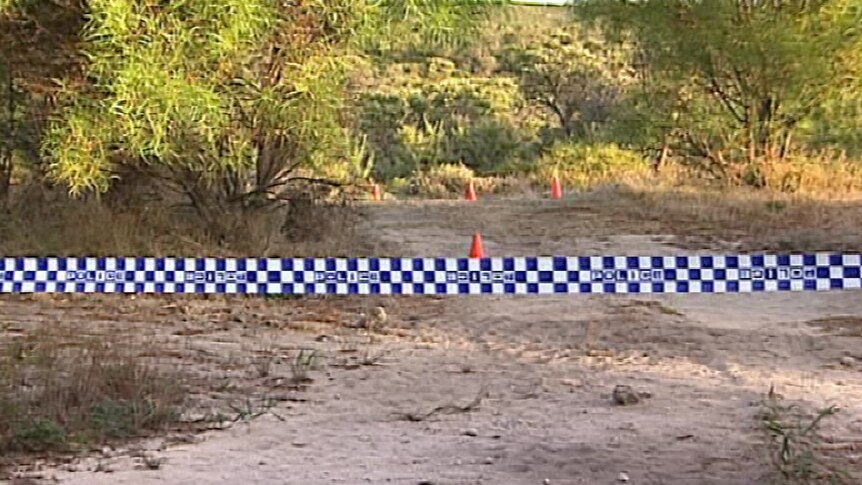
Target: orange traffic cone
x: 376, y: 194
x: 556, y: 188
x: 470, y: 193
x: 476, y: 249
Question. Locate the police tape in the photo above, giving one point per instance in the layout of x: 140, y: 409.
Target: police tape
x: 435, y: 276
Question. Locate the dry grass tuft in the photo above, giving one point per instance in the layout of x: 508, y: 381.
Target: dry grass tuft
x: 754, y: 220
x: 449, y: 181
x: 316, y: 228
x: 821, y: 175
x: 841, y: 325
x: 54, y: 225
x: 796, y: 448
x: 74, y: 228
x: 61, y: 392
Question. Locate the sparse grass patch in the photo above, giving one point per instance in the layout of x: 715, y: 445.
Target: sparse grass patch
x: 449, y: 181
x: 248, y: 410
x: 757, y: 220
x: 845, y: 325
x: 361, y: 354
x: 63, y: 227
x: 585, y: 166
x: 795, y: 446
x: 263, y: 363
x: 826, y: 174
x: 52, y: 224
x: 471, y: 406
x: 61, y: 393
x: 306, y: 360
x: 313, y: 227
x: 442, y: 181
x: 653, y: 305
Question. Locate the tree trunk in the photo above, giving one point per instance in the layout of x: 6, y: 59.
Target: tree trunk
x: 785, y: 147
x: 207, y: 202
x: 6, y: 151
x: 662, y: 156
x: 564, y: 118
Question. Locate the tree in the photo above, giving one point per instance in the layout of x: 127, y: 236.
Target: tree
x: 7, y: 134
x: 177, y: 91
x: 432, y: 113
x: 424, y: 25
x: 37, y: 45
x: 743, y: 73
x: 229, y: 100
x: 837, y: 124
x: 574, y: 74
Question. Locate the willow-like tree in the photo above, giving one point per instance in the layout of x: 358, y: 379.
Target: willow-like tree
x: 229, y: 100
x: 738, y: 77
x: 37, y: 45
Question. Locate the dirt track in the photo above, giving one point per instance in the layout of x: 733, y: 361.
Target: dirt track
x: 548, y: 366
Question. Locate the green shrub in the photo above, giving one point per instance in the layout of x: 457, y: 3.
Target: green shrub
x: 490, y: 146
x: 584, y: 166
x: 429, y: 114
x: 113, y: 419
x: 58, y: 392
x: 381, y: 123
x: 441, y: 181
x: 399, y: 185
x: 449, y: 181
x: 811, y: 175
x: 42, y: 434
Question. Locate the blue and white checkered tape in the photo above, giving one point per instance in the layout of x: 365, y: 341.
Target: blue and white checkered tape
x: 435, y: 276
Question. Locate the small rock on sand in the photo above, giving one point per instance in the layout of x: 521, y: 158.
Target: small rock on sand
x: 625, y: 395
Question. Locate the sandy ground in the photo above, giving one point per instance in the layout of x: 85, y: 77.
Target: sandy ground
x: 540, y: 371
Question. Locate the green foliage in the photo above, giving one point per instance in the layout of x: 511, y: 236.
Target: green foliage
x: 807, y: 174
x: 433, y: 113
x: 836, y: 123
x: 160, y: 91
x: 491, y: 145
x: 40, y: 435
x: 229, y: 99
x: 55, y: 392
x: 736, y: 78
x: 199, y: 93
x: 588, y: 165
x: 233, y: 102
x: 794, y: 443
x: 113, y: 419
x: 442, y: 181
x: 36, y: 47
x: 575, y: 75
x: 425, y: 26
